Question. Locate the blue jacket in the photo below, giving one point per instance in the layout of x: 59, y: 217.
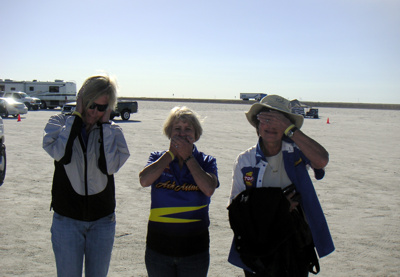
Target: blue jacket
x: 248, y: 172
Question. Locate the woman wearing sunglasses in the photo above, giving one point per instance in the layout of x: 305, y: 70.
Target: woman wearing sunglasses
x: 88, y: 149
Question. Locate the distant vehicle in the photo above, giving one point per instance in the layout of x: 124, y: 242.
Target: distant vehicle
x: 19, y: 96
x: 255, y: 96
x: 13, y: 107
x: 68, y: 108
x: 298, y: 110
x: 3, y: 106
x: 312, y: 113
x: 52, y: 94
x: 124, y: 109
x: 3, y: 158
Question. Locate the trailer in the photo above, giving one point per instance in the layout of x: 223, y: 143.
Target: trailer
x: 255, y: 96
x: 52, y: 94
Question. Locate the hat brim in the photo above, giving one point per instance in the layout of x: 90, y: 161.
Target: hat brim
x: 296, y: 119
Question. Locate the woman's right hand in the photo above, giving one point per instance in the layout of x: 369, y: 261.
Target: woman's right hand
x: 172, y: 148
x: 181, y: 146
x: 293, y: 199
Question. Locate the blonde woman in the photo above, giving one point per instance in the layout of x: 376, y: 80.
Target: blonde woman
x: 87, y: 150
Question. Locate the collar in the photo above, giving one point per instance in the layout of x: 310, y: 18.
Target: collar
x: 259, y: 153
x: 286, y: 146
x: 195, y: 151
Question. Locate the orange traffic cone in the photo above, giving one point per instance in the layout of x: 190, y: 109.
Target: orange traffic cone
x: 19, y: 118
x: 327, y: 122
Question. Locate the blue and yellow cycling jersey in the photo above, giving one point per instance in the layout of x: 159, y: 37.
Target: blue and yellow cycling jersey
x: 179, y: 219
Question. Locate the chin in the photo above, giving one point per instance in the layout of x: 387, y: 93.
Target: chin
x: 92, y: 120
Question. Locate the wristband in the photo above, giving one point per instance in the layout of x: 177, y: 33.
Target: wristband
x: 77, y: 113
x: 288, y: 129
x: 291, y: 132
x: 172, y: 154
x: 188, y: 158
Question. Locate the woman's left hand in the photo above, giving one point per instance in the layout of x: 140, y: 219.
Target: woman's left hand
x: 106, y: 116
x: 274, y: 119
x: 182, y: 146
x: 293, y: 200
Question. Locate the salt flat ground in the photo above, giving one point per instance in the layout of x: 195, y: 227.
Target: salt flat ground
x: 360, y: 194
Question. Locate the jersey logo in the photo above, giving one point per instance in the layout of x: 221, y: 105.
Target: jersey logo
x: 162, y: 214
x: 249, y: 179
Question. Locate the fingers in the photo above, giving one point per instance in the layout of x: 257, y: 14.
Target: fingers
x: 191, y: 140
x: 293, y: 200
x: 106, y: 116
x: 181, y: 146
x: 274, y: 119
x: 293, y: 205
x: 290, y: 195
x: 271, y: 115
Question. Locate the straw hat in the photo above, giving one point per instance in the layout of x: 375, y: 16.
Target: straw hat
x: 277, y: 103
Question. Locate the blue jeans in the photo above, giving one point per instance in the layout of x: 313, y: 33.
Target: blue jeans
x: 167, y: 266
x: 74, y: 239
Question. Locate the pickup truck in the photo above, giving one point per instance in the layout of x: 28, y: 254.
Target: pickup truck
x: 312, y: 113
x: 32, y: 103
x: 124, y: 109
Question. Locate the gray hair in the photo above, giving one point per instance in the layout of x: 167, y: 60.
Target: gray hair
x: 185, y: 114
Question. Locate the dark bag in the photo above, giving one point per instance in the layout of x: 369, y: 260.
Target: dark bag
x: 270, y: 239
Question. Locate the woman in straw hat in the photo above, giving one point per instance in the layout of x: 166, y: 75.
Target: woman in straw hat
x: 278, y: 161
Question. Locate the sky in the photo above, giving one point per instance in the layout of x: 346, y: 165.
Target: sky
x: 310, y: 50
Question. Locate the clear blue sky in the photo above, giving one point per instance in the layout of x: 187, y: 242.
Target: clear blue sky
x: 314, y: 50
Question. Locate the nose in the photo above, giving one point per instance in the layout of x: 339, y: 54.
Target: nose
x: 181, y: 133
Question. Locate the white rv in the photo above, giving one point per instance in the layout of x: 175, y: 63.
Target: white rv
x: 52, y: 94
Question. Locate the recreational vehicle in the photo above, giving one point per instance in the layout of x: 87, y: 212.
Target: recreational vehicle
x: 52, y: 94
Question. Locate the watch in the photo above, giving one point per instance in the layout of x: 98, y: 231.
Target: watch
x: 188, y: 158
x: 291, y: 132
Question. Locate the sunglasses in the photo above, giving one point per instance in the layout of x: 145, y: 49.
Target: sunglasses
x: 100, y: 108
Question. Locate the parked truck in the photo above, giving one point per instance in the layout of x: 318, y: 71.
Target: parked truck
x: 32, y: 103
x: 255, y: 96
x: 52, y: 94
x: 124, y: 109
